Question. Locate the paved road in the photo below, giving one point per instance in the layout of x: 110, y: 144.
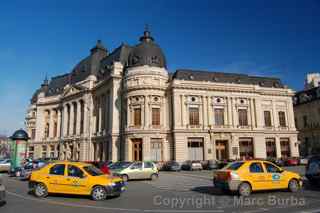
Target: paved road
x: 173, y: 192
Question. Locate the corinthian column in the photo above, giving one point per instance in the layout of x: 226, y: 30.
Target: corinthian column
x: 78, y: 118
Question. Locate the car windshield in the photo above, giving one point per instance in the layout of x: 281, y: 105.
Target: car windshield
x: 93, y: 171
x: 120, y: 165
x: 233, y: 166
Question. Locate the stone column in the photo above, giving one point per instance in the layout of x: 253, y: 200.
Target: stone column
x: 234, y: 112
x: 86, y: 119
x: 278, y: 147
x: 182, y: 115
x: 58, y: 122
x: 78, y: 118
x: 176, y: 114
x: 274, y: 115
x: 258, y: 113
x: 209, y: 112
x: 115, y: 150
x: 163, y: 113
x: 100, y: 114
x: 65, y: 120
x: 204, y: 112
x: 146, y: 148
x: 253, y: 116
x: 165, y: 150
x: 229, y: 107
x: 51, y: 123
x: 146, y: 116
x: 290, y: 114
x: 259, y: 147
x: 71, y: 118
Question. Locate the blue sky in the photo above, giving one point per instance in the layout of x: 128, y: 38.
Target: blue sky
x: 270, y: 38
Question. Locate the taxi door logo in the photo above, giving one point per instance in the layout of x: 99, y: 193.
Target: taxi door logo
x: 275, y: 177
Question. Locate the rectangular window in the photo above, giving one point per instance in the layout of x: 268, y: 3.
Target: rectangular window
x: 137, y: 117
x: 246, y: 148
x: 271, y: 148
x: 155, y: 116
x: 219, y: 117
x: 44, y: 151
x: 243, y: 118
x: 46, y: 130
x: 33, y: 134
x: 285, y: 147
x: 282, y: 119
x: 194, y: 116
x: 267, y: 118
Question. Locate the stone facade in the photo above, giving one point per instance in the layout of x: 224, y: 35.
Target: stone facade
x: 127, y: 106
x: 307, y: 119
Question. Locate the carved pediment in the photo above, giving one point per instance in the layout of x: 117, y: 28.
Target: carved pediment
x: 71, y: 90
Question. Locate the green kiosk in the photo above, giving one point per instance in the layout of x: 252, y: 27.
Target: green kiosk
x: 18, y: 151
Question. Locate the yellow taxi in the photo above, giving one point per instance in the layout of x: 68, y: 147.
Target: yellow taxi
x: 253, y: 175
x: 74, y: 178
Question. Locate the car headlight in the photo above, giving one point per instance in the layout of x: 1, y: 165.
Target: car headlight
x: 112, y: 184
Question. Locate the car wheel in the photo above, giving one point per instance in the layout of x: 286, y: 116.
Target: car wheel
x: 293, y: 185
x: 99, y: 193
x: 154, y: 177
x: 41, y: 190
x: 244, y: 189
x: 125, y: 178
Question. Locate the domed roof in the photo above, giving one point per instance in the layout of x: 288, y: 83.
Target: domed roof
x: 147, y: 53
x: 20, y: 135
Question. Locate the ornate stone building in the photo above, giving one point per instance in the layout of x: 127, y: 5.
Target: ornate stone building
x: 126, y: 105
x: 307, y: 118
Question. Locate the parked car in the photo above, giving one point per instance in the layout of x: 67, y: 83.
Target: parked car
x: 245, y: 176
x: 5, y: 165
x: 136, y: 170
x: 103, y: 166
x: 210, y: 164
x: 28, y: 167
x: 303, y: 160
x: 65, y: 178
x: 172, y: 166
x: 2, y: 191
x: 291, y: 162
x: 313, y: 170
x: 191, y: 165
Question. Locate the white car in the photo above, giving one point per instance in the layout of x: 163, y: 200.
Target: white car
x: 5, y: 165
x: 191, y: 165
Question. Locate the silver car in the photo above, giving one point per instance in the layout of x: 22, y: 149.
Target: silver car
x: 5, y: 165
x: 2, y: 192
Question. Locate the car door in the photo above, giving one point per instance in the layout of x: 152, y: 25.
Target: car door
x: 136, y: 171
x: 274, y: 177
x: 75, y: 180
x: 55, y: 178
x: 148, y: 169
x: 257, y: 176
